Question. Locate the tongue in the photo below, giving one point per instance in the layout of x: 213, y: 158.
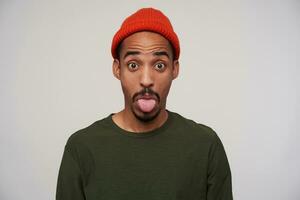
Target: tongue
x: 146, y: 105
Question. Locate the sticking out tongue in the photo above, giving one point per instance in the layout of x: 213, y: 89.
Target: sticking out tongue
x: 146, y: 105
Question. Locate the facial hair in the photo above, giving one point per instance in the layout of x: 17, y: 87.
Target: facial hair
x: 145, y: 117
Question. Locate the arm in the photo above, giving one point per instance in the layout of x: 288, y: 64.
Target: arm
x: 219, y: 174
x: 69, y: 183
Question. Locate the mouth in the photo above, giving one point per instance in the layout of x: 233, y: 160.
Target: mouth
x: 146, y: 96
x: 146, y: 102
x: 146, y: 105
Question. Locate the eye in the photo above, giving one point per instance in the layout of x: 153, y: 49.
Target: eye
x: 132, y: 66
x: 160, y: 66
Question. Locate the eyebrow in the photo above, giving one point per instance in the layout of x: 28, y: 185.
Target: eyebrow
x: 157, y: 53
x: 161, y: 53
x: 128, y: 53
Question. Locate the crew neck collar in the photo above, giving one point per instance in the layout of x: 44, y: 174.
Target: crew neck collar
x: 155, y: 131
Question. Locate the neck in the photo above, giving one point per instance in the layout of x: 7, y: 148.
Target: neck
x: 126, y: 120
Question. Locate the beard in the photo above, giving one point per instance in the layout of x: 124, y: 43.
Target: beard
x: 145, y: 116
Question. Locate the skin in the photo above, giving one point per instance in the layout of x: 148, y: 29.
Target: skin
x: 145, y: 61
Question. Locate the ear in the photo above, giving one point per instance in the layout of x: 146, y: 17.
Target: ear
x: 175, y: 69
x: 116, y: 68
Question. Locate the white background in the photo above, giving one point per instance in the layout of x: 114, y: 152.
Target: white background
x: 239, y: 75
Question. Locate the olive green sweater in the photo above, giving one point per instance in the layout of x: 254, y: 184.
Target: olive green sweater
x: 181, y: 160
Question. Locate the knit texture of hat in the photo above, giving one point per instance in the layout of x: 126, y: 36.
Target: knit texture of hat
x: 146, y: 19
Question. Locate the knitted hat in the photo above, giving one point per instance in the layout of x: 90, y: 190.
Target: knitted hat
x: 146, y: 19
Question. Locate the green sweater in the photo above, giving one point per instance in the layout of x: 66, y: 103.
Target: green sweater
x: 181, y: 160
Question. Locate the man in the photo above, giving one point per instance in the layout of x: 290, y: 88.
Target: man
x: 145, y: 152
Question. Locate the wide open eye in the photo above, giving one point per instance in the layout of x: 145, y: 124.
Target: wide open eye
x: 132, y: 66
x: 160, y: 66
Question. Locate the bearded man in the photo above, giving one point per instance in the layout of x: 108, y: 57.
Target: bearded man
x: 145, y: 151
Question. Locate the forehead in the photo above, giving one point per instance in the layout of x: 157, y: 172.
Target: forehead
x: 146, y: 41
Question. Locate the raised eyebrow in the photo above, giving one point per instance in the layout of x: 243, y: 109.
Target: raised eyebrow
x: 128, y: 53
x: 161, y: 53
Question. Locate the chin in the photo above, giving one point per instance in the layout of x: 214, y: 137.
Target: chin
x: 146, y: 117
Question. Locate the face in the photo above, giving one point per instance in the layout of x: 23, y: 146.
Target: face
x: 146, y: 70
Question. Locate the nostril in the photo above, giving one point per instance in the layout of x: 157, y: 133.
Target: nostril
x: 146, y: 85
x: 146, y: 81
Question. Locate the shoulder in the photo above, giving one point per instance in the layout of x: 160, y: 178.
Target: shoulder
x: 195, y: 130
x: 87, y: 133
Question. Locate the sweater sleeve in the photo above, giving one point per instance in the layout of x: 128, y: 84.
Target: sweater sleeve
x: 69, y: 183
x: 219, y: 174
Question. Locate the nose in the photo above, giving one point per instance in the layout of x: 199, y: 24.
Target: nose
x: 146, y: 78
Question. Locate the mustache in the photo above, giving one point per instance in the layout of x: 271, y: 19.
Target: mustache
x: 145, y: 91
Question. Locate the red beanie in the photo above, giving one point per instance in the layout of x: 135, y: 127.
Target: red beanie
x: 146, y: 19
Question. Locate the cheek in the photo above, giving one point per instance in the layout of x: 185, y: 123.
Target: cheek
x: 164, y: 88
x: 128, y: 86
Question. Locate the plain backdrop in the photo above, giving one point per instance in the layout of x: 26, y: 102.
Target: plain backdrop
x: 239, y: 75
